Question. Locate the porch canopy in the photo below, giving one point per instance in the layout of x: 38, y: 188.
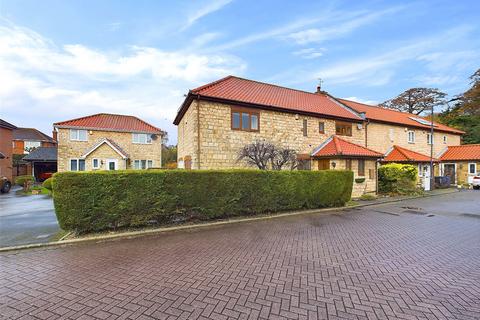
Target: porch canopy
x: 335, y: 147
x: 403, y: 155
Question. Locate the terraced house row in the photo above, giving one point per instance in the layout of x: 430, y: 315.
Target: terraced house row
x: 216, y: 120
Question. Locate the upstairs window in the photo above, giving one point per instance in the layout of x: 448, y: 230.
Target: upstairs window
x: 245, y: 119
x: 142, y: 138
x: 430, y: 138
x: 321, y: 127
x: 305, y: 127
x: 411, y: 136
x: 343, y: 128
x: 30, y: 145
x: 78, y: 135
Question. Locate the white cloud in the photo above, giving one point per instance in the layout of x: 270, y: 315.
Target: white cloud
x: 210, y: 7
x: 360, y: 100
x: 338, y: 27
x: 42, y: 82
x: 309, y: 53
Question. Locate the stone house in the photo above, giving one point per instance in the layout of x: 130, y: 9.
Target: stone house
x: 219, y: 118
x: 108, y: 142
x: 461, y: 163
x: 6, y: 146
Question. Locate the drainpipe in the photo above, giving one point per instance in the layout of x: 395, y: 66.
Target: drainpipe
x: 376, y: 177
x: 198, y: 131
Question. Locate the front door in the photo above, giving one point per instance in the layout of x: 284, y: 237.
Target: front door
x: 449, y: 170
x: 323, y: 164
x: 112, y: 164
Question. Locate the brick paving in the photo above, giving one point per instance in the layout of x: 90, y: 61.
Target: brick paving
x: 363, y: 264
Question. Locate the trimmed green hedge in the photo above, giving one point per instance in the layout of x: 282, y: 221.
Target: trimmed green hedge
x: 47, y: 184
x: 396, y: 178
x: 93, y: 201
x: 20, y: 180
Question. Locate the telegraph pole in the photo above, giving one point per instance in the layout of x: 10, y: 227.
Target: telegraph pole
x: 432, y: 176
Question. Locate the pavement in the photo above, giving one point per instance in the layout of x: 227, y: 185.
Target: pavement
x: 26, y: 219
x: 414, y: 259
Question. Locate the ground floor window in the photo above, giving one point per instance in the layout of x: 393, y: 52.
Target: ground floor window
x: 77, y: 164
x: 95, y: 163
x: 304, y: 164
x: 142, y: 164
x: 348, y: 164
x: 472, y: 168
x: 361, y: 168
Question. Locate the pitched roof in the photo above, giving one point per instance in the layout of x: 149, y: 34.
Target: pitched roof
x: 31, y: 134
x: 112, y: 145
x: 269, y: 96
x: 5, y: 124
x: 335, y: 146
x: 376, y: 113
x: 399, y: 154
x: 2, y: 156
x: 42, y: 154
x: 463, y: 152
x: 110, y: 122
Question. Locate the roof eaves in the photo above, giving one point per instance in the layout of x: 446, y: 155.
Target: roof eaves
x: 321, y: 146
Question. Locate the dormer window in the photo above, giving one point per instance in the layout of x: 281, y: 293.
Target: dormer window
x: 142, y: 138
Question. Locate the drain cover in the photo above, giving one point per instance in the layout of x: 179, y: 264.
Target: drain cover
x: 415, y: 212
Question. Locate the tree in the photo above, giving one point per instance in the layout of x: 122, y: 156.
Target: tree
x: 266, y: 155
x: 169, y: 155
x: 416, y: 100
x: 465, y: 112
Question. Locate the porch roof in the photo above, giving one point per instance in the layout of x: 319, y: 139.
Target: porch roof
x: 399, y: 154
x: 335, y: 146
x: 110, y: 143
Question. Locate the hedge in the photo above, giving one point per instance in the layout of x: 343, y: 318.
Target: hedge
x: 94, y: 201
x: 20, y: 180
x: 47, y: 184
x: 395, y: 178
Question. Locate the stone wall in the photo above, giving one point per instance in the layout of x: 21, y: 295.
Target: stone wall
x: 68, y: 149
x: 219, y: 144
x: 383, y: 136
x: 370, y: 183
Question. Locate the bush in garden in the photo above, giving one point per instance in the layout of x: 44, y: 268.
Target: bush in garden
x: 396, y: 178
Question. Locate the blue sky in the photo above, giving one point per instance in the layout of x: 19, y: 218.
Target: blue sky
x: 65, y: 59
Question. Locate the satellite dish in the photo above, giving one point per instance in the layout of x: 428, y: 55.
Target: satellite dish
x: 154, y: 137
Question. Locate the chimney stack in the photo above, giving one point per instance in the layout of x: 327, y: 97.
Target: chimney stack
x: 54, y: 135
x: 319, y: 87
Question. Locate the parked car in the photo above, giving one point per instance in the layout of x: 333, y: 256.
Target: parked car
x: 476, y: 181
x: 44, y: 176
x: 5, y: 185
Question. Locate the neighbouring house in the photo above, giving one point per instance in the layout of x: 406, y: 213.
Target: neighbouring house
x: 390, y: 131
x: 461, y: 163
x: 398, y: 154
x: 43, y: 162
x: 26, y: 140
x: 108, y: 142
x: 6, y: 149
x: 216, y: 120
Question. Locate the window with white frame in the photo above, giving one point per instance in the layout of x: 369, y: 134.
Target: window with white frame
x: 142, y: 164
x: 78, y: 135
x: 95, y: 163
x: 77, y: 164
x: 444, y: 139
x: 411, y: 136
x: 142, y: 138
x: 472, y: 168
x: 420, y: 170
x: 430, y: 139
x: 29, y: 145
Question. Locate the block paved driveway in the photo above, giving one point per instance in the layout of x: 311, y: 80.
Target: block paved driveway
x: 382, y: 262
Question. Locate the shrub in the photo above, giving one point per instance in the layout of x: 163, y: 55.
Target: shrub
x: 367, y: 197
x: 47, y: 184
x: 93, y: 201
x: 20, y: 180
x: 395, y: 178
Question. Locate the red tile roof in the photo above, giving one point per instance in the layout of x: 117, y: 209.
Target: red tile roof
x: 335, y: 146
x: 399, y: 154
x: 269, y: 96
x: 464, y: 152
x: 375, y: 113
x: 110, y: 122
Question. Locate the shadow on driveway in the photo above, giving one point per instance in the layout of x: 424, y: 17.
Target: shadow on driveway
x: 26, y: 219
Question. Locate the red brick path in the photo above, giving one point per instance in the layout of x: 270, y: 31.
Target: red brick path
x: 359, y: 265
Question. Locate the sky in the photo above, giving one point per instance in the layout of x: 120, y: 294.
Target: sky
x: 65, y: 59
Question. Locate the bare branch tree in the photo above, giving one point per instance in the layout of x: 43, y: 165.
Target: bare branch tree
x: 416, y: 100
x: 258, y: 153
x: 266, y: 155
x: 282, y: 157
